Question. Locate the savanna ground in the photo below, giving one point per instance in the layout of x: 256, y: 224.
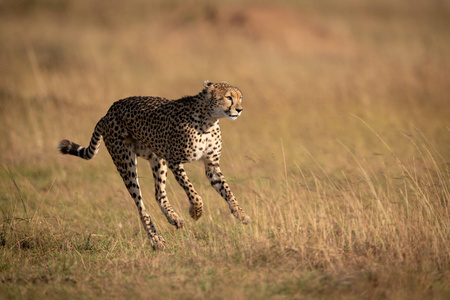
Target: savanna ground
x: 341, y: 156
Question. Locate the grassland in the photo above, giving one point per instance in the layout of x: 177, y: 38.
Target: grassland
x: 341, y: 156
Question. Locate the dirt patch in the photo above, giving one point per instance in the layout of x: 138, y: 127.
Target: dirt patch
x: 281, y: 28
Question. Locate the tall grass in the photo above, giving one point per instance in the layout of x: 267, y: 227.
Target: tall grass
x: 340, y: 157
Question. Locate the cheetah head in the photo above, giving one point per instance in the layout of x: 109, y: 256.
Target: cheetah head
x: 225, y: 100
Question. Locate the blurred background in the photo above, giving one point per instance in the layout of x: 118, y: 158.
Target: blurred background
x: 306, y: 69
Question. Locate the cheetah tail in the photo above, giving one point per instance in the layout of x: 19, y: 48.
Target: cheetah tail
x: 68, y: 147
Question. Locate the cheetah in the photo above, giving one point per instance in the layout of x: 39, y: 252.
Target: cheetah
x: 167, y: 133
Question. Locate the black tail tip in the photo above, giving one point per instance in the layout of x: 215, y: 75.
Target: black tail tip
x: 64, y: 146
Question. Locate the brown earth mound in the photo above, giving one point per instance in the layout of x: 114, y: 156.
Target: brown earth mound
x: 281, y: 28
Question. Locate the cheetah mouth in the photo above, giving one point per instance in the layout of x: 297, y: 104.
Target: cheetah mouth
x: 232, y: 116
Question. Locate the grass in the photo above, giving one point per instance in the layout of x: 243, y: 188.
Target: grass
x: 341, y: 156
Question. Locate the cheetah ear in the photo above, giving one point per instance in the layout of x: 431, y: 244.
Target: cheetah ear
x: 207, y: 83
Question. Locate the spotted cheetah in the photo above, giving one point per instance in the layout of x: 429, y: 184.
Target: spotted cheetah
x: 167, y: 133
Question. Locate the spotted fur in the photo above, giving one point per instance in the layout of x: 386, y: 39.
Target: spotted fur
x: 167, y: 133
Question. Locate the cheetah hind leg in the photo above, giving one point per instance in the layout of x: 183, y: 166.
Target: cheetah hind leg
x: 128, y: 170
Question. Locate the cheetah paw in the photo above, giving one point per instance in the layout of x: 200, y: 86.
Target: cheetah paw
x: 195, y: 212
x: 241, y: 216
x: 176, y: 221
x: 244, y: 219
x: 158, y: 242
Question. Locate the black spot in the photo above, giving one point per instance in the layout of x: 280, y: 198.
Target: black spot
x: 214, y: 182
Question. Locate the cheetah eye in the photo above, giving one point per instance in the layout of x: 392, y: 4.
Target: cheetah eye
x: 229, y: 98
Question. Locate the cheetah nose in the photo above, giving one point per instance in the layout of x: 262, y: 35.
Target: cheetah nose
x: 239, y: 110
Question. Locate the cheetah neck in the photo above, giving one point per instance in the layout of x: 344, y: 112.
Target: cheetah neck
x: 203, y: 111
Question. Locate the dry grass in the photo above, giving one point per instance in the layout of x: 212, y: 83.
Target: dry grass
x: 341, y: 157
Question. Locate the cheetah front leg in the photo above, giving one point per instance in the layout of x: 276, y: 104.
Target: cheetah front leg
x: 159, y: 169
x: 196, y: 208
x: 219, y: 183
